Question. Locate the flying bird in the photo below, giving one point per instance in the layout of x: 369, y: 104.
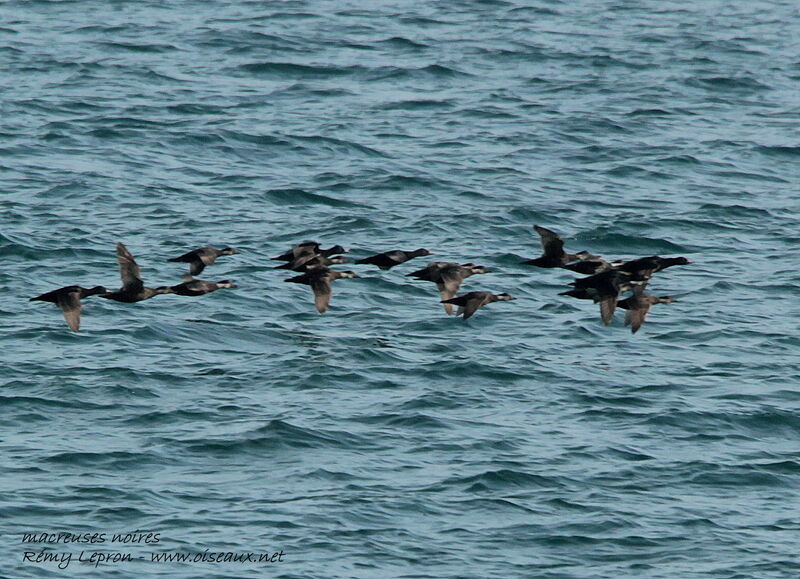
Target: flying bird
x: 198, y: 259
x: 469, y: 303
x: 69, y: 300
x: 389, y: 259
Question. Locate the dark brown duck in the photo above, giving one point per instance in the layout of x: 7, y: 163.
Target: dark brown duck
x: 320, y: 280
x: 389, y: 259
x: 469, y: 303
x: 198, y: 259
x: 69, y: 298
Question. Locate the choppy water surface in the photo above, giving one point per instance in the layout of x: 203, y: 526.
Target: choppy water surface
x: 385, y: 439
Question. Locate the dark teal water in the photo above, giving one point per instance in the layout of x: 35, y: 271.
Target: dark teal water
x: 385, y: 439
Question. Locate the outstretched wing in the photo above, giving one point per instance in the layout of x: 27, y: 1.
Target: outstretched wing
x: 450, y: 279
x: 429, y: 272
x: 635, y: 318
x: 322, y: 294
x: 128, y: 268
x: 607, y: 307
x: 552, y: 244
x: 472, y: 305
x: 197, y: 266
x: 70, y: 304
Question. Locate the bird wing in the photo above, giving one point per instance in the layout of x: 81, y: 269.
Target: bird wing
x: 607, y: 307
x: 298, y: 250
x: 552, y: 244
x: 128, y: 268
x: 473, y: 304
x: 70, y: 304
x: 635, y: 317
x: 322, y: 293
x: 196, y: 266
x: 448, y: 284
x: 450, y: 279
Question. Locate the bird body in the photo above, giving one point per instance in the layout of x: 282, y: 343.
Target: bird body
x: 592, y: 266
x: 69, y: 298
x: 305, y: 248
x: 305, y: 262
x: 198, y: 287
x: 389, y: 259
x: 646, y: 266
x: 469, y: 303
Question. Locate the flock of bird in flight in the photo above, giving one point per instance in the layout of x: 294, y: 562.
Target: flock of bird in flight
x: 605, y: 283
